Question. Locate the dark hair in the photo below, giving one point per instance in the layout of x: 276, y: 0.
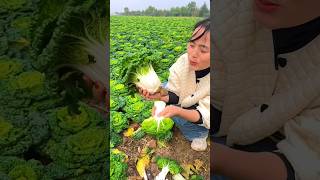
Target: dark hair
x: 205, y: 23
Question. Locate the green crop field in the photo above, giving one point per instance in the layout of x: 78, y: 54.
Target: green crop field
x: 48, y: 129
x: 159, y: 40
x: 134, y: 42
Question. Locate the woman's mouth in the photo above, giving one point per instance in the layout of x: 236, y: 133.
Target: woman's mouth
x: 192, y: 63
x: 266, y: 6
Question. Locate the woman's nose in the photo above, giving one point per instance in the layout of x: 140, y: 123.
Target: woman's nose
x: 195, y: 52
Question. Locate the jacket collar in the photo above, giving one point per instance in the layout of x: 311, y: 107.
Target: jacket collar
x: 287, y: 40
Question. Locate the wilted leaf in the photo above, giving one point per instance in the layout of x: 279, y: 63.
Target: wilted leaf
x: 198, y: 164
x: 128, y: 132
x: 187, y: 170
x: 142, y: 164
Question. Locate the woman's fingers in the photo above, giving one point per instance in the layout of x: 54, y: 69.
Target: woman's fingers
x: 98, y: 92
x: 164, y: 113
x: 87, y: 81
x: 146, y: 93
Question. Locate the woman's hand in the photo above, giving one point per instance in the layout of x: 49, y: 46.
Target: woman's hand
x: 170, y: 111
x: 99, y: 92
x: 147, y: 95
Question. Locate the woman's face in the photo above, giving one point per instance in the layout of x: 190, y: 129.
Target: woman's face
x: 199, y: 50
x: 275, y: 14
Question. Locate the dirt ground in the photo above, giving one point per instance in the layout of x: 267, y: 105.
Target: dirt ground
x: 178, y: 149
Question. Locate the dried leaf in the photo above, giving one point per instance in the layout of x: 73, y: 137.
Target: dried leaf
x: 198, y: 164
x: 187, y: 170
x: 142, y: 164
x: 128, y: 132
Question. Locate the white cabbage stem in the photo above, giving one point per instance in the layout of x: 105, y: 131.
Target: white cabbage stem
x: 178, y: 177
x: 148, y: 80
x: 96, y: 71
x: 162, y: 175
x: 159, y: 105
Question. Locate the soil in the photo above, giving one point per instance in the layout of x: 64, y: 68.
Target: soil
x: 178, y: 148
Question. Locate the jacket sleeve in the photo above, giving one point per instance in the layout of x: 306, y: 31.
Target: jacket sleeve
x: 174, y: 82
x: 217, y: 80
x: 265, y: 119
x: 204, y: 109
x: 302, y: 138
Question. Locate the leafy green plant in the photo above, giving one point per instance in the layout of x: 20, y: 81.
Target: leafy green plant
x: 115, y: 139
x: 79, y: 40
x: 41, y: 43
x: 81, y: 153
x: 157, y: 127
x: 118, y: 121
x: 9, y: 67
x: 136, y: 108
x: 15, y: 168
x: 116, y: 103
x: 118, y: 166
x: 196, y: 177
x: 117, y: 88
x: 63, y: 123
x: 18, y: 133
x: 168, y: 165
x: 138, y: 134
x: 12, y: 4
x: 146, y: 78
x: 25, y: 89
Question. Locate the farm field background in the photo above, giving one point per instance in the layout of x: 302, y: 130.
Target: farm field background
x: 50, y: 128
x: 136, y: 41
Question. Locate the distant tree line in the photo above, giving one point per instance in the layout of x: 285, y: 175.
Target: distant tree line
x: 189, y: 10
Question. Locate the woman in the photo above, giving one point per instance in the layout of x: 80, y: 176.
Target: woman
x: 188, y: 88
x: 266, y: 92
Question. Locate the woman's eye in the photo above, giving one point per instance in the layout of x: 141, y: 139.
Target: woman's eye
x: 203, y: 50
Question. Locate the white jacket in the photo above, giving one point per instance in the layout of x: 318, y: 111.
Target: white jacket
x: 244, y: 78
x: 182, y: 81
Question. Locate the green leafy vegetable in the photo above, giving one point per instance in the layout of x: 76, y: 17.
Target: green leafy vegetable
x: 118, y: 121
x: 196, y: 177
x: 12, y: 4
x: 118, y: 166
x: 19, y: 133
x: 63, y: 123
x: 79, y: 41
x: 115, y: 139
x: 157, y: 126
x: 80, y: 153
x: 15, y: 168
x: 138, y: 134
x: 9, y: 67
x: 168, y: 165
x: 136, y: 108
x: 146, y: 78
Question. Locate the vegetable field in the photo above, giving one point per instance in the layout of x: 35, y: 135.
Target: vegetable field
x: 47, y: 128
x: 140, y: 145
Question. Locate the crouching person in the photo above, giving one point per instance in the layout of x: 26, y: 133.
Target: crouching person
x: 188, y: 97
